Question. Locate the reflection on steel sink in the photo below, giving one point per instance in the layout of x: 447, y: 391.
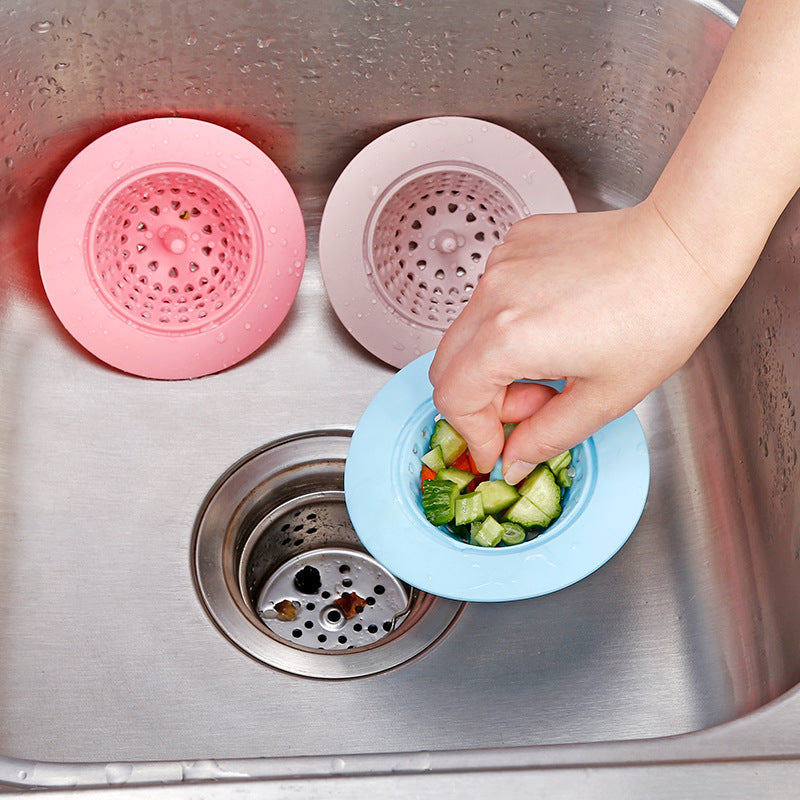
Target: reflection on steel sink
x: 109, y: 654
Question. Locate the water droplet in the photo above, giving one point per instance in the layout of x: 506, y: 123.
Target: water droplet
x: 118, y: 773
x: 191, y: 39
x: 670, y: 107
x: 62, y: 65
x: 42, y: 27
x: 221, y: 337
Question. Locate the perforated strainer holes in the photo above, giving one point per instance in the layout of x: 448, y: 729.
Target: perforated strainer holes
x: 357, y: 602
x: 430, y: 241
x: 171, y: 252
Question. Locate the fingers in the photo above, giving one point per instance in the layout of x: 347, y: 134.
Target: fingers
x: 459, y: 337
x: 470, y: 383
x: 470, y: 404
x: 565, y: 420
x: 524, y: 399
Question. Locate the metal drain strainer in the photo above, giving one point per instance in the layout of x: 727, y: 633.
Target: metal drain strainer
x: 410, y: 221
x: 332, y: 599
x: 171, y: 248
x: 281, y: 572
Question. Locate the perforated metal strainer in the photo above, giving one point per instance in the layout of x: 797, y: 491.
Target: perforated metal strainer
x: 171, y: 248
x: 409, y: 224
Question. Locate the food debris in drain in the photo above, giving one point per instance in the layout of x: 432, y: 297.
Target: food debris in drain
x: 350, y: 604
x: 308, y: 580
x: 286, y: 610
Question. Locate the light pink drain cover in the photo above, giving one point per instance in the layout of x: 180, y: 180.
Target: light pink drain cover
x: 171, y: 248
x: 409, y: 223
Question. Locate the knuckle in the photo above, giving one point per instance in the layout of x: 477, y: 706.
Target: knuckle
x: 503, y: 330
x: 441, y: 399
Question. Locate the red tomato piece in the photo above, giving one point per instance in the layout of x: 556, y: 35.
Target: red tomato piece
x: 463, y: 462
x: 427, y: 474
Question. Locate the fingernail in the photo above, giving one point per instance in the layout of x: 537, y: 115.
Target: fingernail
x: 517, y: 471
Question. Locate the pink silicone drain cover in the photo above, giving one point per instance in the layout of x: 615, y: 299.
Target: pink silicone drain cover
x: 171, y: 248
x: 410, y: 221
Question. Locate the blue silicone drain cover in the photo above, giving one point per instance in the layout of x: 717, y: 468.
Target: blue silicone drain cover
x: 382, y: 477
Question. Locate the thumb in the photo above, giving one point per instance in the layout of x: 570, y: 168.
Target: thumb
x: 564, y: 421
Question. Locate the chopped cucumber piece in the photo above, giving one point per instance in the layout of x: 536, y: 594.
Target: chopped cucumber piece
x: 558, y: 462
x: 473, y: 513
x: 541, y: 489
x: 468, y: 508
x: 460, y: 477
x: 512, y: 533
x: 497, y: 496
x: 487, y: 533
x: 564, y: 477
x: 449, y: 439
x: 438, y: 501
x: 461, y: 531
x: 434, y: 459
x: 527, y: 514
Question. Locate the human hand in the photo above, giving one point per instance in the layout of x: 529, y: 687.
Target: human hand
x: 611, y: 302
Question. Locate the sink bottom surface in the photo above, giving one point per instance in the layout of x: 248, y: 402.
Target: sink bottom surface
x: 109, y: 656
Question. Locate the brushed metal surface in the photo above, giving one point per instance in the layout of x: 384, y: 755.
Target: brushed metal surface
x: 107, y: 654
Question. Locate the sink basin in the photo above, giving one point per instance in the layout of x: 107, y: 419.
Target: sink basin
x: 113, y: 651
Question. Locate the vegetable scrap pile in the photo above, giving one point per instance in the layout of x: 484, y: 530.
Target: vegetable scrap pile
x: 487, y: 512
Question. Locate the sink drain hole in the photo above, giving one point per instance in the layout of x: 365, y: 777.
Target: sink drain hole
x: 283, y: 575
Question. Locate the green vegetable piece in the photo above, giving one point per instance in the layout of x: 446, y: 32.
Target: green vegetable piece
x: 460, y: 477
x: 564, y: 477
x: 438, y: 501
x: 560, y: 461
x: 497, y: 495
x: 527, y: 514
x: 434, y: 459
x: 461, y: 532
x: 449, y: 439
x: 468, y: 508
x: 541, y: 489
x: 512, y: 533
x: 487, y: 533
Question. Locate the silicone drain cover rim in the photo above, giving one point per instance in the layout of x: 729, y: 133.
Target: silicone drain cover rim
x: 431, y: 145
x: 381, y: 483
x: 187, y: 150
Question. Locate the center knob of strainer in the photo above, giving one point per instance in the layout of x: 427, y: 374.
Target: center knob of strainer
x: 174, y: 239
x: 447, y: 241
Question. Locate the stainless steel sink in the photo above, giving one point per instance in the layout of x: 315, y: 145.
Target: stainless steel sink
x: 113, y: 670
